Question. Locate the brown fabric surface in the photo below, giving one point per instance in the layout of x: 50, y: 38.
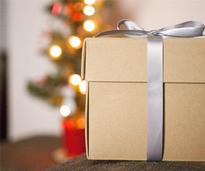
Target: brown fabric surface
x: 31, y: 154
x: 81, y: 163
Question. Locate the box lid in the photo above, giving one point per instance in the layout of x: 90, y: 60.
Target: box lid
x: 125, y: 59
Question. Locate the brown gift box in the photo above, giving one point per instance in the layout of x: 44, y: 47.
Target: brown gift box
x: 116, y: 99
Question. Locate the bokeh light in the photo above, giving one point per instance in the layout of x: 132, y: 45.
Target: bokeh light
x: 75, y: 79
x: 89, y: 2
x: 89, y: 25
x: 75, y: 42
x: 89, y: 10
x: 65, y: 110
x: 82, y: 87
x: 55, y: 51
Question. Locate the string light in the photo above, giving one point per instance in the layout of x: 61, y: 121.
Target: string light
x: 80, y: 122
x: 75, y: 42
x: 88, y: 10
x: 89, y: 25
x: 65, y: 110
x: 82, y: 87
x: 89, y: 2
x: 55, y: 51
x: 75, y: 79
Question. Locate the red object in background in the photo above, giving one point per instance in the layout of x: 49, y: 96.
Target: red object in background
x: 73, y: 138
x: 56, y: 9
x: 77, y: 16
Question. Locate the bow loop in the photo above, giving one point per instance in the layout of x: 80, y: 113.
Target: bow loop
x: 186, y: 29
x: 125, y: 24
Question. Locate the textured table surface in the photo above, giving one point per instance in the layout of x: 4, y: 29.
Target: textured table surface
x: 30, y: 154
x: 81, y: 163
x: 35, y: 154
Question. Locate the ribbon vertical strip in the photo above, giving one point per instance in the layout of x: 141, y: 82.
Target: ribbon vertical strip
x: 155, y: 98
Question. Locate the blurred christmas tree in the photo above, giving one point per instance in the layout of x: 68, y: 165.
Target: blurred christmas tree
x: 82, y: 19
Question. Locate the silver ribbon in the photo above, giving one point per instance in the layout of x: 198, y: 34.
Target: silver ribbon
x: 155, y: 73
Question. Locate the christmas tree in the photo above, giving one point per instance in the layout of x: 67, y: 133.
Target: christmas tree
x: 81, y: 19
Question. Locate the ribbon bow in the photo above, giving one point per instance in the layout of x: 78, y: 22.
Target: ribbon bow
x: 186, y: 29
x: 155, y: 73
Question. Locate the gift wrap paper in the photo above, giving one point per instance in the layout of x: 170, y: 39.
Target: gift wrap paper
x: 116, y: 99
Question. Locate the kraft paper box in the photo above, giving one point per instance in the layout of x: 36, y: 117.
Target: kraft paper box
x: 116, y: 99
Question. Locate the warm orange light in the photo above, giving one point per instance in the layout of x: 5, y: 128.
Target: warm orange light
x: 80, y: 122
x: 89, y: 25
x: 55, y: 51
x: 75, y: 42
x: 75, y: 79
x: 82, y: 87
x: 89, y: 2
x: 89, y: 10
